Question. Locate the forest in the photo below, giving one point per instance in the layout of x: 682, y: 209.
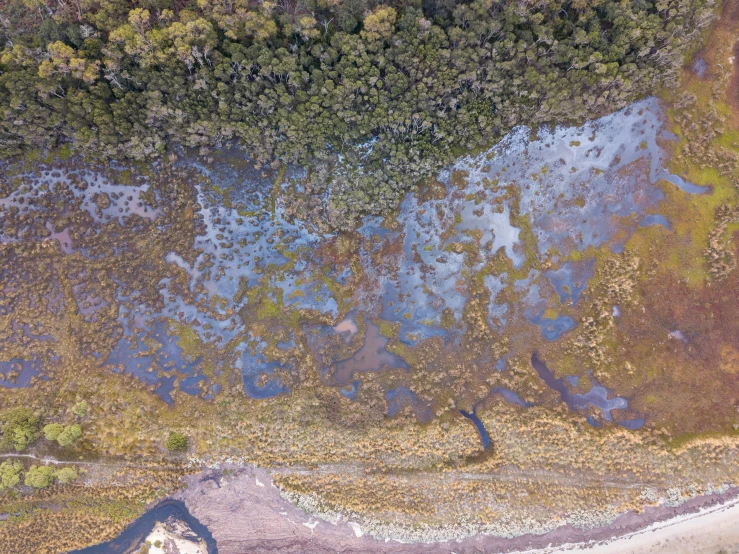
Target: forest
x: 372, y: 97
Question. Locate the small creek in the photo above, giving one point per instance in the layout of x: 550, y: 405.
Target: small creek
x: 597, y: 396
x: 472, y: 416
x: 684, y: 185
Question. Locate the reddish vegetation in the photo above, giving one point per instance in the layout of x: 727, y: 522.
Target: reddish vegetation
x: 690, y: 385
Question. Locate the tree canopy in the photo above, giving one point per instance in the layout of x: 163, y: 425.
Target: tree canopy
x: 19, y: 427
x: 39, y: 477
x: 394, y: 88
x: 10, y: 474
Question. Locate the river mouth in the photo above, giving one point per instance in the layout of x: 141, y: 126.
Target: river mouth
x: 131, y: 539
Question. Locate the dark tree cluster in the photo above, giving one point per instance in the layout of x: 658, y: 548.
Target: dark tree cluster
x: 377, y: 94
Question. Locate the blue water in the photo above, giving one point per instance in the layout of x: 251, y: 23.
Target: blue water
x: 632, y: 424
x: 252, y: 367
x: 700, y: 66
x: 684, y: 185
x: 472, y: 416
x: 137, y: 359
x: 553, y: 329
x: 373, y: 356
x: 511, y: 397
x: 655, y: 219
x: 165, y: 387
x: 268, y: 390
x: 351, y: 391
x: 571, y: 279
x: 597, y: 396
x: 25, y: 370
x: 398, y: 398
x: 190, y: 384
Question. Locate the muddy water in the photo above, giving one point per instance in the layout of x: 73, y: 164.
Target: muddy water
x: 371, y: 357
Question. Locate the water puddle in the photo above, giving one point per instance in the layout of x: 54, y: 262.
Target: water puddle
x: 510, y: 396
x: 18, y: 372
x: 684, y: 185
x: 256, y: 371
x: 137, y: 356
x: 347, y: 328
x: 571, y: 279
x: 566, y: 189
x: 553, y: 329
x: 655, y: 219
x: 351, y: 390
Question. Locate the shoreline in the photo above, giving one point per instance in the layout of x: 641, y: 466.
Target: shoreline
x: 245, y: 512
x: 690, y: 533
x: 638, y: 531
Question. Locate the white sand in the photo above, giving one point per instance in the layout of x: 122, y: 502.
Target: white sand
x: 171, y: 543
x: 705, y: 532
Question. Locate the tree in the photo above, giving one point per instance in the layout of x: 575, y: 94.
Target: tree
x: 66, y: 475
x: 20, y: 427
x: 380, y: 23
x: 64, y: 435
x: 63, y: 60
x: 53, y: 430
x: 176, y: 442
x: 39, y: 477
x: 70, y: 434
x: 304, y: 80
x: 10, y: 474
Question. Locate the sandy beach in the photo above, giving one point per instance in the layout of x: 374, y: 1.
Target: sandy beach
x: 246, y: 513
x: 711, y: 530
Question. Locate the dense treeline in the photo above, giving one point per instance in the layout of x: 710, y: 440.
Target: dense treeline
x: 393, y: 88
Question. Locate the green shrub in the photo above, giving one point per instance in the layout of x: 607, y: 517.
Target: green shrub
x: 66, y: 475
x: 10, y: 474
x: 53, y: 430
x: 70, y: 434
x: 39, y: 477
x: 80, y: 409
x: 20, y: 427
x: 176, y: 442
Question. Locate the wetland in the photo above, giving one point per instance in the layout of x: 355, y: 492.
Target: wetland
x: 537, y: 339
